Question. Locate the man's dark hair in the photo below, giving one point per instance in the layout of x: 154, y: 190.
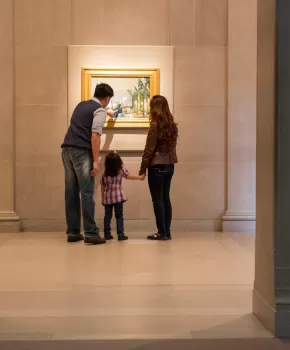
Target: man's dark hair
x: 103, y: 91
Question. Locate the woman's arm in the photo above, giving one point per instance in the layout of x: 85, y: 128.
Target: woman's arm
x: 150, y: 148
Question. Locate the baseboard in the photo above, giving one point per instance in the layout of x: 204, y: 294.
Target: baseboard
x: 239, y: 226
x: 235, y: 222
x: 130, y: 225
x: 10, y: 226
x: 9, y: 222
x: 263, y: 311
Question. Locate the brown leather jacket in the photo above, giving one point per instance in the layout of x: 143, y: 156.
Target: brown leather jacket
x: 156, y: 152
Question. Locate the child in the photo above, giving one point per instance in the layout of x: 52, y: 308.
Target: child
x: 112, y: 193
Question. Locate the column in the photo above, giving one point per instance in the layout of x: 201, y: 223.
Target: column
x: 271, y: 297
x: 9, y: 220
x: 241, y: 128
x: 263, y: 295
x: 282, y: 172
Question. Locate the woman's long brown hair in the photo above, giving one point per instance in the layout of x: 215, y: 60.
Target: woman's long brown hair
x: 160, y: 114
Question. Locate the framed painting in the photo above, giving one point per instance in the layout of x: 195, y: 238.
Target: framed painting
x: 133, y: 89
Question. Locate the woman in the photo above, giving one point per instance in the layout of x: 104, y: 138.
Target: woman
x: 159, y: 158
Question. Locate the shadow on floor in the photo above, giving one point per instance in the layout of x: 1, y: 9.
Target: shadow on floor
x: 195, y: 344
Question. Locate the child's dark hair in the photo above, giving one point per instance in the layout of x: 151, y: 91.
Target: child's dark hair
x: 113, y: 164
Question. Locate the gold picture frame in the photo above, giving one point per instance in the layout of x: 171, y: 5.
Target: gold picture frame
x: 146, y: 85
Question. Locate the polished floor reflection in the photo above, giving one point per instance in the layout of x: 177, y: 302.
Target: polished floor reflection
x: 198, y: 285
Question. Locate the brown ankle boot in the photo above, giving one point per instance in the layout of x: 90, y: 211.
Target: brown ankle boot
x: 75, y: 238
x: 96, y: 239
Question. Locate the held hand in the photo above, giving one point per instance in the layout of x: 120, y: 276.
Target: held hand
x: 142, y: 177
x: 95, y: 170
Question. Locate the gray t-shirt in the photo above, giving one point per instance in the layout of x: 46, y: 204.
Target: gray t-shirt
x: 99, y: 120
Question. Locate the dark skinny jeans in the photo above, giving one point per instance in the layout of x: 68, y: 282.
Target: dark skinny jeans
x: 159, y: 180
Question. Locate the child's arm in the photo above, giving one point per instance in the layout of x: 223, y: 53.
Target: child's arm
x: 128, y: 176
x: 136, y: 177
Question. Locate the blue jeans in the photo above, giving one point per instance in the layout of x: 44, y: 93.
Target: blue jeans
x: 78, y: 164
x: 159, y: 180
x: 118, y: 207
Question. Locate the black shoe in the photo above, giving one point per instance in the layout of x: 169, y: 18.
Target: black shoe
x: 169, y: 237
x: 157, y: 237
x: 109, y: 238
x: 123, y: 238
x: 75, y: 238
x: 97, y: 239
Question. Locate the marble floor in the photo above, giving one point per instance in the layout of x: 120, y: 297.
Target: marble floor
x: 197, y: 286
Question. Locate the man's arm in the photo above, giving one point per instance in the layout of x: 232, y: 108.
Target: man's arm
x: 111, y: 113
x: 97, y: 130
x: 96, y: 143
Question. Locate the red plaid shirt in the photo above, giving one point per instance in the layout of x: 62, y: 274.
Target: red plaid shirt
x: 113, y: 192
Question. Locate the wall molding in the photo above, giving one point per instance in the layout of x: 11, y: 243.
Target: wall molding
x: 239, y: 222
x: 9, y: 222
x: 135, y: 227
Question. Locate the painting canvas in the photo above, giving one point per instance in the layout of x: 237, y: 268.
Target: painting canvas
x: 131, y: 96
x: 132, y: 92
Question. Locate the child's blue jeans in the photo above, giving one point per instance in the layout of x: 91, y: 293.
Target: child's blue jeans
x: 118, y: 208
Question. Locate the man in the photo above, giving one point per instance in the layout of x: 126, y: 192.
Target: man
x: 80, y: 155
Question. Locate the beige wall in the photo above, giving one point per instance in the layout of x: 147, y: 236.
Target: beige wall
x: 198, y: 31
x: 41, y: 107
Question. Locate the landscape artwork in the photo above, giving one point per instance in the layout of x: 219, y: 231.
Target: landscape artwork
x: 133, y: 89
